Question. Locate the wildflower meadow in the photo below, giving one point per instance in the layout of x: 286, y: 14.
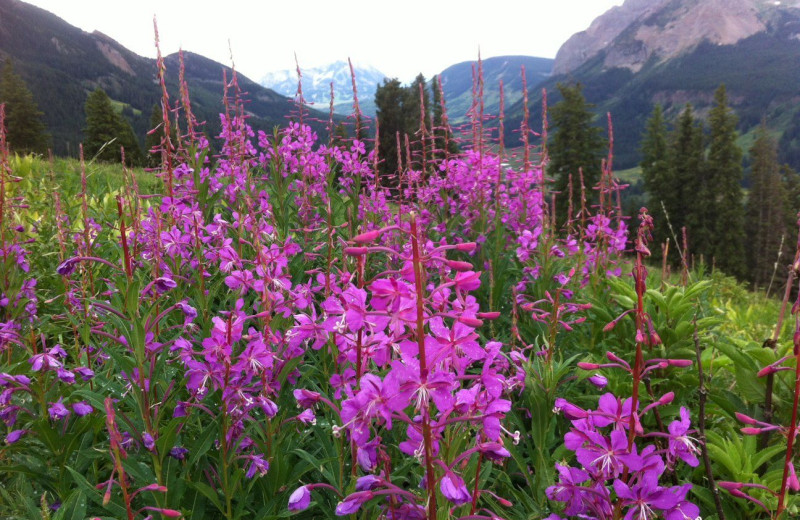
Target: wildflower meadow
x: 267, y: 325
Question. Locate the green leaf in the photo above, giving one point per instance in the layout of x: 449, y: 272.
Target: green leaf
x: 209, y: 493
x: 96, y: 496
x: 74, y: 508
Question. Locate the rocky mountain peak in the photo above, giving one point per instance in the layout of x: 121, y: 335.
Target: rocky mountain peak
x: 636, y: 31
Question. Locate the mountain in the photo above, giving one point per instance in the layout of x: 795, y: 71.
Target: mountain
x: 457, y: 81
x: 675, y: 52
x: 317, y: 86
x: 61, y: 64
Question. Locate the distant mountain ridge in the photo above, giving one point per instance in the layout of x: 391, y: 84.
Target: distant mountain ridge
x: 675, y: 52
x: 317, y: 85
x: 61, y: 64
x: 457, y: 81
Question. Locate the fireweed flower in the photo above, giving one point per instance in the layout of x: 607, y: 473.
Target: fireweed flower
x: 58, y: 411
x: 680, y: 444
x: 82, y: 408
x: 300, y: 499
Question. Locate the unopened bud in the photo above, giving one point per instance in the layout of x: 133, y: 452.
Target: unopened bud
x: 745, y: 418
x: 355, y: 251
x: 154, y: 487
x: 751, y: 431
x: 366, y: 238
x: 588, y: 366
x: 458, y: 265
x: 610, y: 326
x: 767, y: 370
x: 472, y: 322
x: 666, y: 398
x: 489, y: 315
x: 730, y: 486
x: 466, y: 247
x: 680, y: 363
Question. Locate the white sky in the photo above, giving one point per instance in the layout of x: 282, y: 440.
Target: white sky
x: 399, y: 37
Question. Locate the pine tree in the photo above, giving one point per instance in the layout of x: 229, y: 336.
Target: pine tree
x: 576, y: 145
x: 686, y: 177
x: 106, y: 131
x: 658, y: 181
x: 389, y: 102
x: 25, y: 131
x: 765, y: 223
x: 153, y: 138
x: 724, y: 188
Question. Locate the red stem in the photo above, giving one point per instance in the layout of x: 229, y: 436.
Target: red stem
x: 423, y: 375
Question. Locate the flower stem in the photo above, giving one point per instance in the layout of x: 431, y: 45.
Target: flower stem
x: 423, y: 369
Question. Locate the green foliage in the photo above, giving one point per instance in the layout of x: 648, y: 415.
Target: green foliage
x: 400, y: 118
x: 658, y: 180
x: 25, y: 131
x: 576, y: 147
x: 766, y: 219
x: 107, y: 132
x: 722, y: 192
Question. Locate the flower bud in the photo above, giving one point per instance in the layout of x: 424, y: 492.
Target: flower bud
x: 751, y: 431
x: 471, y: 322
x: 767, y: 370
x: 355, y: 251
x: 365, y: 238
x: 489, y: 315
x: 588, y: 366
x: 467, y: 247
x: 680, y: 363
x: 458, y: 265
x: 730, y: 486
x: 610, y: 326
x: 666, y: 398
x: 745, y: 418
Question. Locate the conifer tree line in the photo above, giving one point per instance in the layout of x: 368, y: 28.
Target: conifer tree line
x: 693, y: 177
x: 25, y: 130
x: 107, y: 130
x: 401, y: 117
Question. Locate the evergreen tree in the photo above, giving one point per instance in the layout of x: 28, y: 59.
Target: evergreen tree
x: 25, y: 131
x: 444, y: 143
x: 106, y: 131
x: 576, y: 144
x: 416, y: 110
x: 724, y: 188
x: 389, y: 103
x: 412, y: 108
x: 790, y: 180
x: 686, y: 178
x: 153, y: 138
x: 658, y: 181
x: 765, y: 223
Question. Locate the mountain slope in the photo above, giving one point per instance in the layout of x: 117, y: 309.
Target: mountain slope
x: 457, y: 81
x: 61, y: 64
x: 675, y: 52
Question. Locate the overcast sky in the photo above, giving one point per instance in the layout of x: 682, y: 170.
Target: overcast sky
x: 399, y: 37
